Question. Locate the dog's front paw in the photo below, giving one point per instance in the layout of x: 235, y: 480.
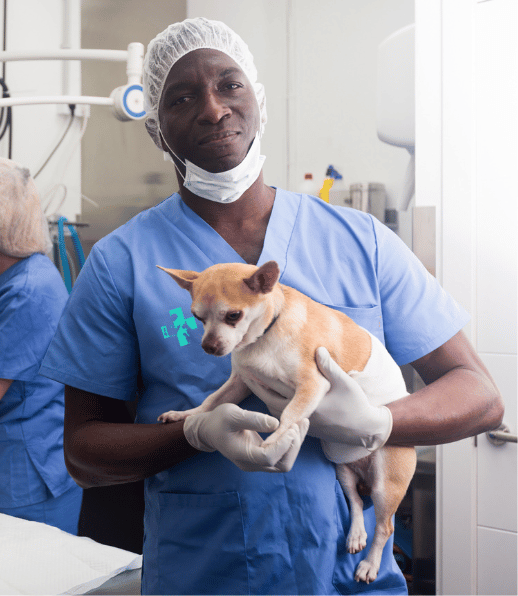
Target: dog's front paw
x: 366, y: 572
x: 172, y: 416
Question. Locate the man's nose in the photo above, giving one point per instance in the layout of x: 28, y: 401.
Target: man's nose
x: 213, y: 108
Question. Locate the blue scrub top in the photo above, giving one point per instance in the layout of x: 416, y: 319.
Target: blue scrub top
x: 211, y: 528
x: 32, y: 298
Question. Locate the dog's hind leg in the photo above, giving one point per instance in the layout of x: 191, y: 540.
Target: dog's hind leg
x: 357, y: 536
x: 392, y: 473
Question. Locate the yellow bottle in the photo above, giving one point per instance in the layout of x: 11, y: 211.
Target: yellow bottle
x: 324, y: 191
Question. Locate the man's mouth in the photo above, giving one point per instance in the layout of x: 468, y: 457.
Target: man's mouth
x: 218, y: 137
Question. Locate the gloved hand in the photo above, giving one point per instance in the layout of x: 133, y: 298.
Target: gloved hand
x: 234, y: 433
x: 347, y: 424
x: 346, y: 416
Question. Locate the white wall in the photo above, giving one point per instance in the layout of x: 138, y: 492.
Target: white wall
x: 317, y: 61
x: 36, y: 25
x: 333, y: 57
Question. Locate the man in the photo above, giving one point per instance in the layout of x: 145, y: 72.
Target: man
x: 212, y: 526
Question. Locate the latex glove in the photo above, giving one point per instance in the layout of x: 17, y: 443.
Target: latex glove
x: 345, y: 415
x: 234, y: 433
x: 347, y: 424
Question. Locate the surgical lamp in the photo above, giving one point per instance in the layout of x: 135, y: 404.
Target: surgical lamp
x: 127, y: 101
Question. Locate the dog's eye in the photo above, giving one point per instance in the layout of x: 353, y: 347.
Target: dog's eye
x: 233, y: 317
x: 197, y: 317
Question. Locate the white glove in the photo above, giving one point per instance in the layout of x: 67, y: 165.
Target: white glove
x: 347, y: 424
x: 346, y: 416
x: 234, y: 433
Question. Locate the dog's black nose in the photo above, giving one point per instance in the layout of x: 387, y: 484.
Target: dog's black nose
x: 211, y: 348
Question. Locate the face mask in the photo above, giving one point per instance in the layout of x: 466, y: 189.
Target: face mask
x: 223, y: 187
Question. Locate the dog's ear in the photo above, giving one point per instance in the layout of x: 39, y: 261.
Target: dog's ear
x: 183, y: 278
x: 264, y: 279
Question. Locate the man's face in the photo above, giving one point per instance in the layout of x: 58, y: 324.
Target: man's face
x: 208, y: 111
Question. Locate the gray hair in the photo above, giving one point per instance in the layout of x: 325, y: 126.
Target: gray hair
x: 23, y: 226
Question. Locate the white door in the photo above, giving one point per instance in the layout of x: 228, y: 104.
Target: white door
x: 467, y: 152
x: 496, y: 124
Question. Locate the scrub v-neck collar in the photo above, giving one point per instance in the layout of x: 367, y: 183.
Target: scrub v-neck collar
x: 277, y: 238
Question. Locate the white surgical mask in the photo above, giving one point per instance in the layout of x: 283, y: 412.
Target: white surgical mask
x: 223, y: 187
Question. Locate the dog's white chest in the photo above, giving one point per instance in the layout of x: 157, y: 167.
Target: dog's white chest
x: 267, y: 364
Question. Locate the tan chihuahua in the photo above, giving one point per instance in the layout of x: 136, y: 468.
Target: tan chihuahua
x: 272, y: 332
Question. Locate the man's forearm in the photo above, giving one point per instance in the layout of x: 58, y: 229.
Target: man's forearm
x: 101, y: 448
x: 461, y: 404
x: 105, y: 453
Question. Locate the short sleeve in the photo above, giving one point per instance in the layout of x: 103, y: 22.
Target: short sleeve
x: 418, y: 315
x: 25, y: 333
x: 95, y: 346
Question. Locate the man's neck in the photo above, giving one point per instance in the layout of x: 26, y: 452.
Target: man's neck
x: 241, y: 224
x: 255, y: 203
x: 6, y: 262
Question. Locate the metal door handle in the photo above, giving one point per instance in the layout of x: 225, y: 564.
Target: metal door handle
x: 500, y: 436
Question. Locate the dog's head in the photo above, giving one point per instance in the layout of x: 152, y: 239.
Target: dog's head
x: 235, y: 302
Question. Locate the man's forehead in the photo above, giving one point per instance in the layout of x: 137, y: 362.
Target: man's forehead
x: 215, y: 62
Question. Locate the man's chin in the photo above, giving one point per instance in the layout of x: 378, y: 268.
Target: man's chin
x: 222, y: 163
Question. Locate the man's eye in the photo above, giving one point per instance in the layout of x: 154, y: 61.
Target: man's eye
x: 181, y: 100
x: 232, y: 86
x: 233, y: 317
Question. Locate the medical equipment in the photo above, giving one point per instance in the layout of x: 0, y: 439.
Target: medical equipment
x: 63, y: 262
x: 126, y: 101
x: 370, y: 197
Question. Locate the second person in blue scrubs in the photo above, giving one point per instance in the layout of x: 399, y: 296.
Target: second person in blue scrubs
x: 34, y: 482
x: 210, y: 527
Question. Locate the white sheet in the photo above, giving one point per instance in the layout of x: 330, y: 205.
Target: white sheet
x: 39, y: 559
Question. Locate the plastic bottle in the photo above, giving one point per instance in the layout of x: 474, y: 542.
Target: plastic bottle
x: 326, y: 187
x: 329, y: 180
x: 308, y: 186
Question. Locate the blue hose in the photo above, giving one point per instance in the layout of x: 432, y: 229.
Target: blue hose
x: 78, y: 247
x: 63, y: 252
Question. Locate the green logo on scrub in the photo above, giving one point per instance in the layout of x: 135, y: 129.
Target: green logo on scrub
x: 182, y: 324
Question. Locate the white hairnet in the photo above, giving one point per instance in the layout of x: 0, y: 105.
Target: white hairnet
x: 180, y: 39
x: 23, y: 226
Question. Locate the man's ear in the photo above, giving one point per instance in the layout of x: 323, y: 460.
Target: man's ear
x: 184, y: 279
x: 264, y: 279
x: 151, y: 127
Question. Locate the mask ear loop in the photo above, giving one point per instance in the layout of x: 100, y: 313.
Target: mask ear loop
x: 167, y: 145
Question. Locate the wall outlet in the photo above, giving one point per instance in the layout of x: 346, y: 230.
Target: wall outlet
x: 82, y: 110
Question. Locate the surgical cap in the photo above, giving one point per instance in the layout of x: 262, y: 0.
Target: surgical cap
x: 23, y: 226
x: 180, y: 39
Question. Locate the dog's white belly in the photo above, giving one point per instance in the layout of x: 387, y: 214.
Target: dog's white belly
x: 381, y: 379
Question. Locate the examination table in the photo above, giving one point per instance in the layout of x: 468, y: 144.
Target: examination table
x: 39, y: 559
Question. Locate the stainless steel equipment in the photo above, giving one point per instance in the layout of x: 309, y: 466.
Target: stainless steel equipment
x: 370, y: 197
